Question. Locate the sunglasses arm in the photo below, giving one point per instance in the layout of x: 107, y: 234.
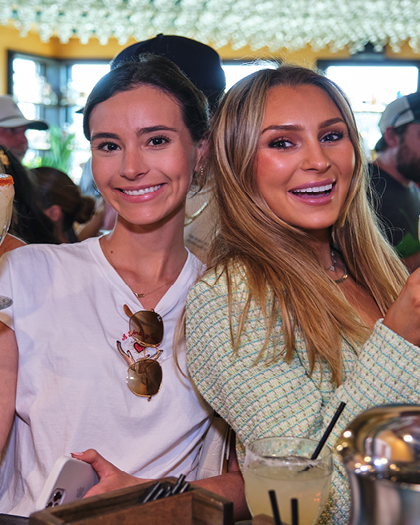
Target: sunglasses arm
x: 126, y: 355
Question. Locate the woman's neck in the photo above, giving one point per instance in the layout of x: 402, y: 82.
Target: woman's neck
x: 148, y: 259
x: 321, y: 242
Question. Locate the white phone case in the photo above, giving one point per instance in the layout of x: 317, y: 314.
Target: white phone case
x: 69, y: 480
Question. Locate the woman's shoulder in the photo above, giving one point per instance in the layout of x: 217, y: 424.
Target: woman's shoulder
x: 217, y: 280
x: 217, y: 296
x: 51, y: 254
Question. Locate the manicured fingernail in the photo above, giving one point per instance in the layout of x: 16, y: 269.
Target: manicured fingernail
x: 76, y: 454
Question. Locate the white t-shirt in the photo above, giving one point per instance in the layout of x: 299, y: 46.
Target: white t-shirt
x: 72, y: 394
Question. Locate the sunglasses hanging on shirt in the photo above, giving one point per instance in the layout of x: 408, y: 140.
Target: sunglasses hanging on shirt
x: 144, y: 376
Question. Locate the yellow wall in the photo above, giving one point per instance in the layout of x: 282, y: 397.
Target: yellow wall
x: 11, y: 40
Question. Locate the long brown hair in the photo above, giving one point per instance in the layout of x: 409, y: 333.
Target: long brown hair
x: 282, y: 270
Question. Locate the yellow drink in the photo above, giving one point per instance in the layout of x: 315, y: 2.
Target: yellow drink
x: 310, y: 488
x: 283, y: 464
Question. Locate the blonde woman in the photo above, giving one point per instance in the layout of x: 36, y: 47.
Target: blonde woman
x: 304, y: 304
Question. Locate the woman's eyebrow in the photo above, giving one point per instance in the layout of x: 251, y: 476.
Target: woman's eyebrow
x: 153, y: 129
x: 296, y: 127
x: 104, y: 135
x: 331, y: 121
x: 140, y: 131
x: 283, y: 127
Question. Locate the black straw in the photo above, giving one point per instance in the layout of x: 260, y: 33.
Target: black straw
x: 178, y: 484
x: 152, y: 491
x: 184, y: 488
x: 159, y: 493
x: 328, y: 431
x: 274, y: 506
x: 295, y: 513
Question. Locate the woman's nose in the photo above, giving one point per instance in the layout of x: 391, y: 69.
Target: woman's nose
x: 315, y: 158
x: 134, y: 163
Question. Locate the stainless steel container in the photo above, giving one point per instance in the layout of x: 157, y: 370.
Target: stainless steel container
x: 381, y: 453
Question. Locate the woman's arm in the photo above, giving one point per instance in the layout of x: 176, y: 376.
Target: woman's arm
x: 8, y: 380
x: 229, y: 485
x: 266, y: 396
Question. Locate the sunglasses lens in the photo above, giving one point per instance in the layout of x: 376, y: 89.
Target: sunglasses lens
x: 144, y: 377
x: 146, y: 328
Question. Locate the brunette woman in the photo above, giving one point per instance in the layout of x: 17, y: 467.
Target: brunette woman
x: 84, y: 313
x: 62, y: 201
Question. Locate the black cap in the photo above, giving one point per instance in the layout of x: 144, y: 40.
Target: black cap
x: 199, y: 62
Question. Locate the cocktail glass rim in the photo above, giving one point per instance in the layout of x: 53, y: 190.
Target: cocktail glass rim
x: 325, y: 455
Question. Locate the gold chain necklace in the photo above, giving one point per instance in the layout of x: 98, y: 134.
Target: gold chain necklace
x: 141, y: 295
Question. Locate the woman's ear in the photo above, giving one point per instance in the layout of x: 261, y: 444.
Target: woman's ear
x: 54, y: 212
x: 202, y: 152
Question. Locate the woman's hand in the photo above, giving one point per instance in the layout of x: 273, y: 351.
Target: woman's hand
x: 110, y: 477
x: 403, y: 317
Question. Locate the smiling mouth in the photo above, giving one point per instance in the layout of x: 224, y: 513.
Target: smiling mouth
x: 143, y: 191
x: 318, y: 191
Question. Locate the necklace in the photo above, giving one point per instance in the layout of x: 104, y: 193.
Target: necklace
x: 141, y: 295
x: 332, y: 268
x: 191, y: 218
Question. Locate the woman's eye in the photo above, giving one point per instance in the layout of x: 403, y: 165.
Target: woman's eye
x: 280, y: 144
x: 107, y: 146
x: 158, y: 141
x: 332, y: 136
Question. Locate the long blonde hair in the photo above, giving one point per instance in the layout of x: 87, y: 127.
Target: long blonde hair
x: 283, y: 272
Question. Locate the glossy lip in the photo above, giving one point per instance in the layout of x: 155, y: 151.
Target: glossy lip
x: 314, y: 200
x: 144, y: 197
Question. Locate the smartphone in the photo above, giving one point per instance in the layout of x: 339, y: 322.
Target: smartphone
x: 69, y: 480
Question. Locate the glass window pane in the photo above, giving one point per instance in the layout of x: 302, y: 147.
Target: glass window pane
x: 235, y: 72
x: 370, y: 88
x: 83, y: 78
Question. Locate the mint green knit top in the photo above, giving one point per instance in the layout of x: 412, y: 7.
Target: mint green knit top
x: 269, y: 397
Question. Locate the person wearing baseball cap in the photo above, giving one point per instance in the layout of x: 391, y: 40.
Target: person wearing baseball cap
x: 199, y: 62
x: 203, y: 66
x: 13, y: 126
x: 395, y: 175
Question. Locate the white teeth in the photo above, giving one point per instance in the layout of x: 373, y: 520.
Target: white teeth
x: 318, y: 189
x: 142, y: 192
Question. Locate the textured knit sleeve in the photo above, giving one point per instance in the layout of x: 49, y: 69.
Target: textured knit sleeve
x: 268, y: 396
x: 387, y: 371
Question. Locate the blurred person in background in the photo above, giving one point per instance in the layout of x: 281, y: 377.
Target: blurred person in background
x: 395, y: 175
x: 13, y: 126
x: 29, y: 223
x: 62, y: 201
